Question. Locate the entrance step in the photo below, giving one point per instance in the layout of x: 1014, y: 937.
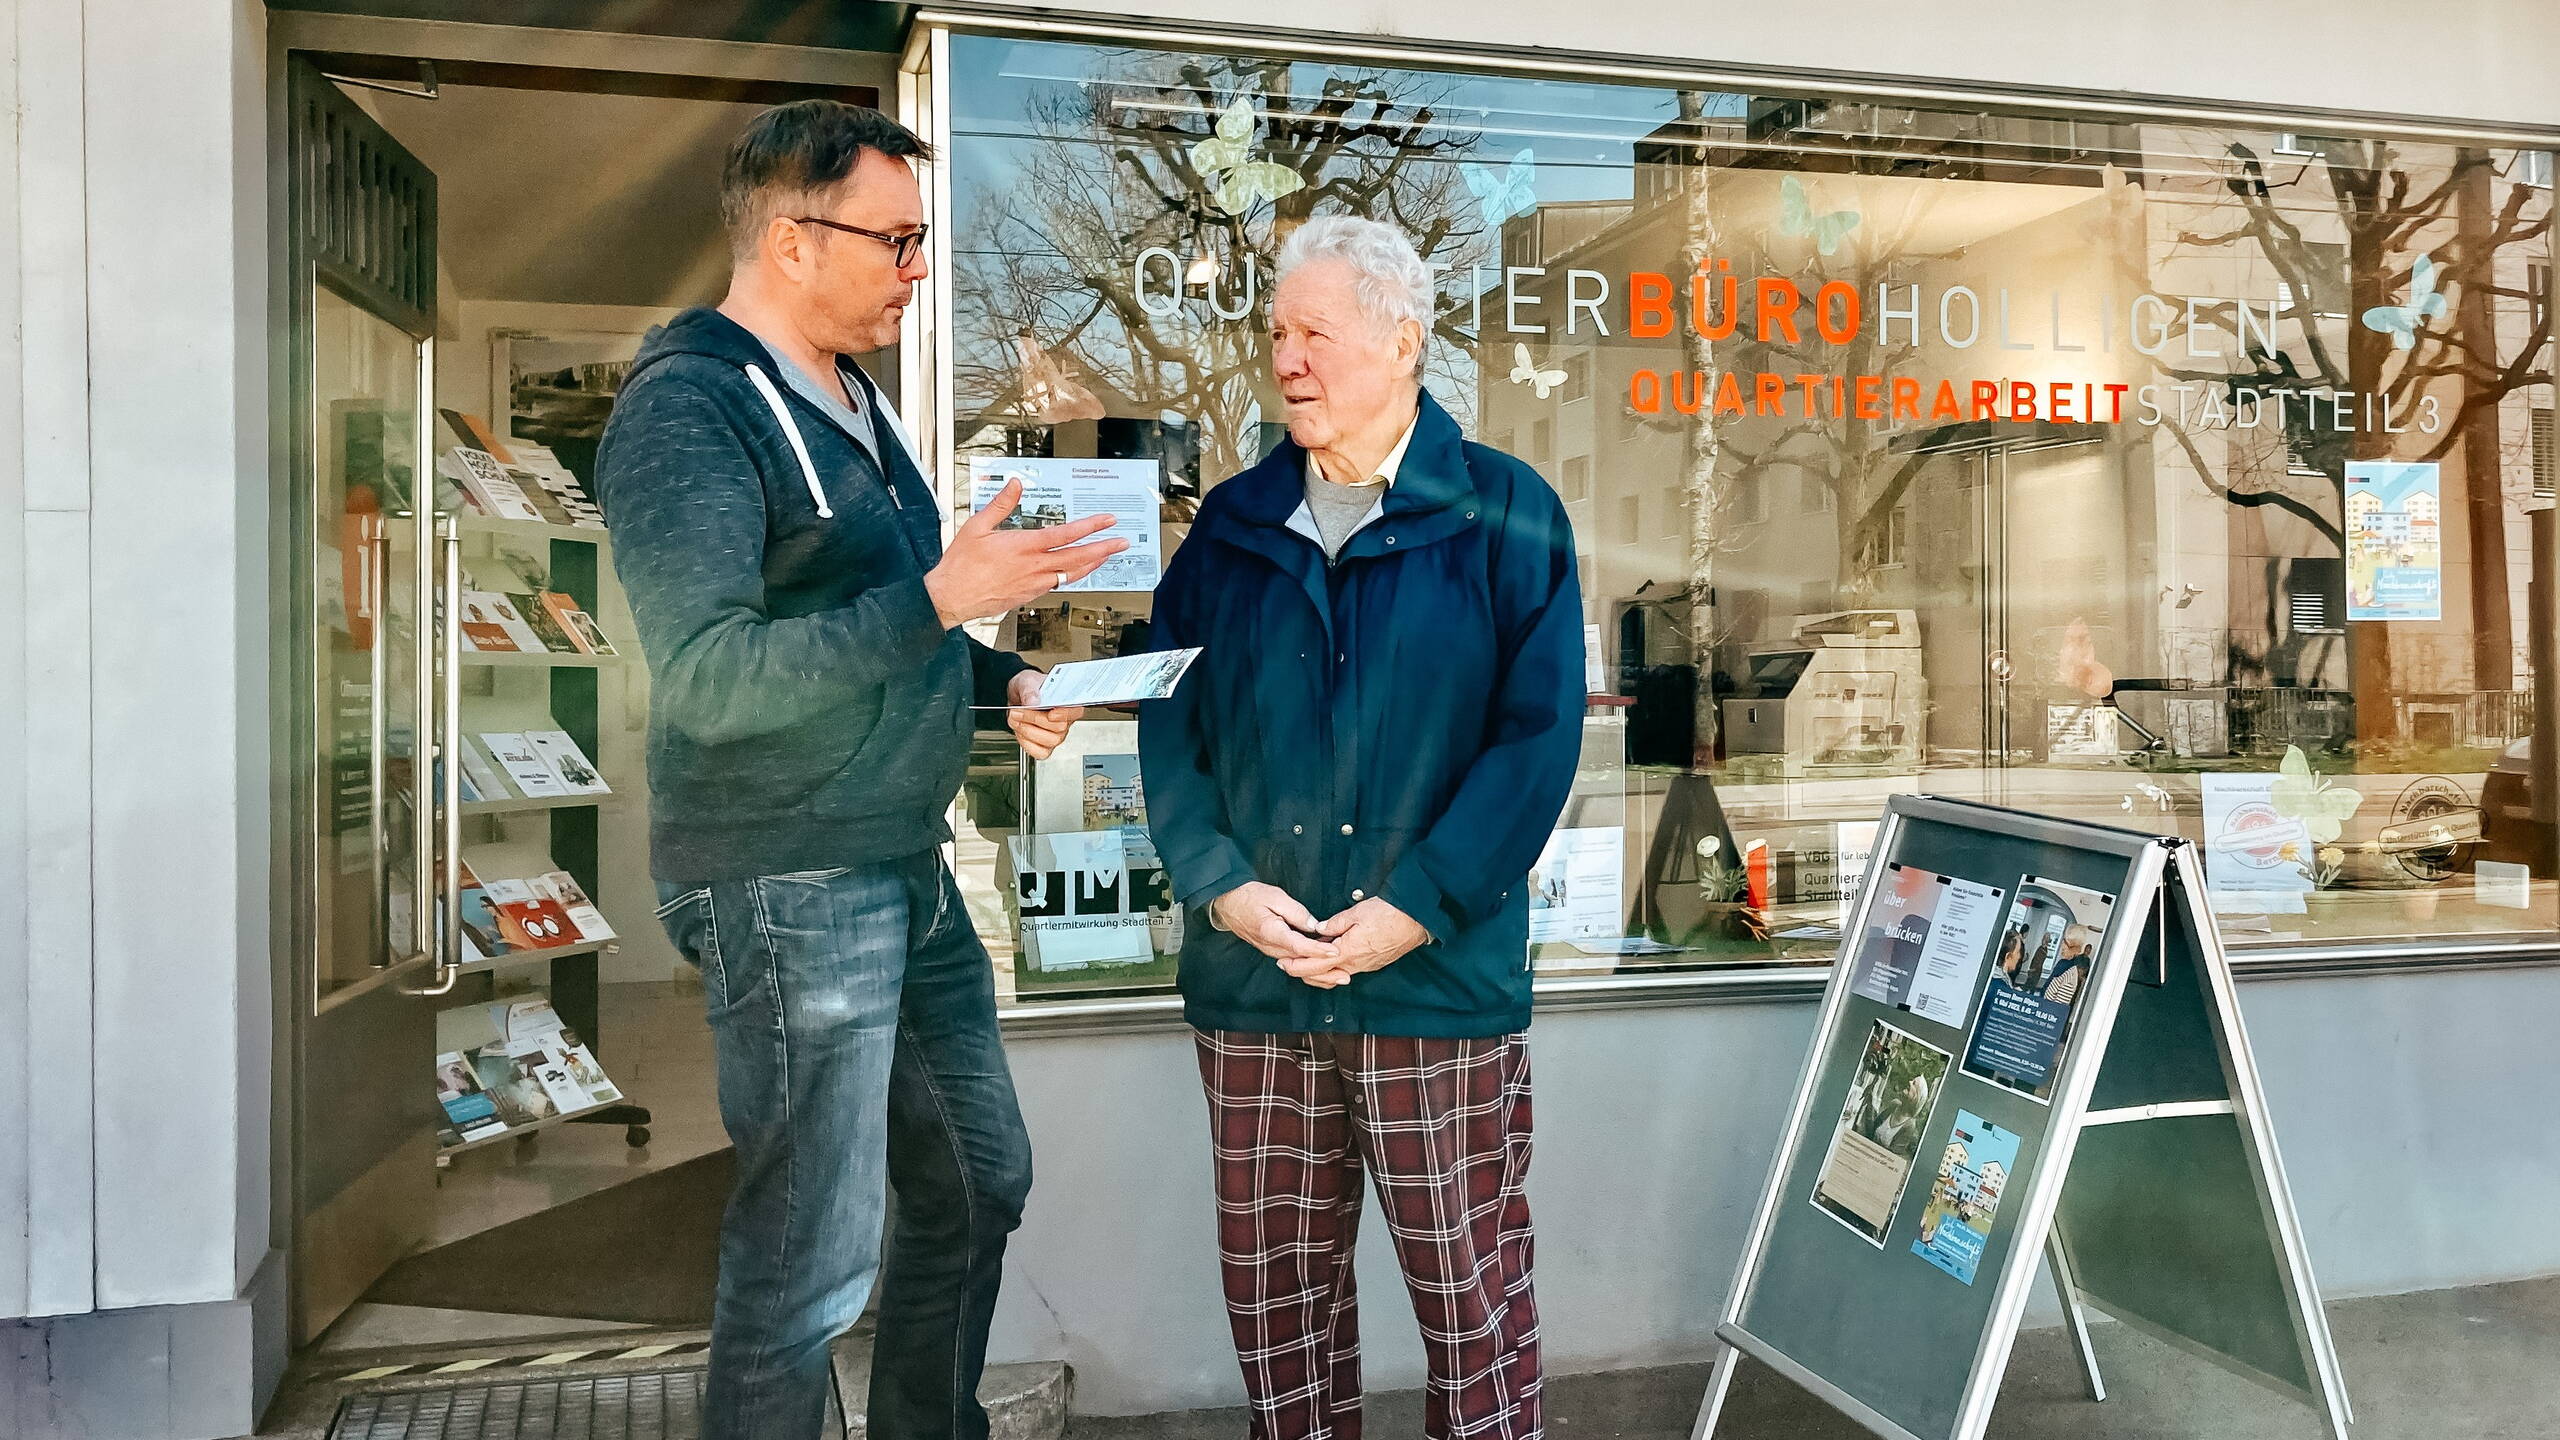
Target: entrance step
x: 1024, y: 1402
x: 618, y: 1385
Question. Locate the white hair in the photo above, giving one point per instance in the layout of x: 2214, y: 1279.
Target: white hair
x: 1388, y: 276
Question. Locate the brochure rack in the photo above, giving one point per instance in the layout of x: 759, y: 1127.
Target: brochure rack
x: 545, y: 689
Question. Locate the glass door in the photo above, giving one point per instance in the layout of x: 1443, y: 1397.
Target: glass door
x: 2019, y: 601
x: 373, y: 661
x: 366, y: 622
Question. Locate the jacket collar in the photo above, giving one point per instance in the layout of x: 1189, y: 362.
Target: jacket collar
x: 1432, y: 478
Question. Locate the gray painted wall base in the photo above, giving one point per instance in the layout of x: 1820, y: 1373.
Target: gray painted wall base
x: 168, y: 1372
x: 1654, y: 1132
x: 1655, y: 1128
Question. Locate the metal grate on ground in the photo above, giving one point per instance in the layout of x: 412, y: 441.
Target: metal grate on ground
x: 656, y: 1405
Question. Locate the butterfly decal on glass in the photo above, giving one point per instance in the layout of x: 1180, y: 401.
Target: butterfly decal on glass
x: 1507, y: 192
x: 1796, y: 217
x: 2401, y: 322
x: 1226, y: 163
x: 1525, y: 371
x: 2299, y: 794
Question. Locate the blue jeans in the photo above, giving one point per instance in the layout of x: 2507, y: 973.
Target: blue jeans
x: 853, y: 1011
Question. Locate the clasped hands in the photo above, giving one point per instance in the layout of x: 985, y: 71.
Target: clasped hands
x: 1371, y: 935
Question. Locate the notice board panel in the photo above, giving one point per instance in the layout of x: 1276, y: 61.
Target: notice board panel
x: 2030, y: 1056
x: 1891, y: 1330
x: 2185, y: 1179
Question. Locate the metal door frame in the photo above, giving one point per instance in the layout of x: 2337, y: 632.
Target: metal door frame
x: 346, y: 226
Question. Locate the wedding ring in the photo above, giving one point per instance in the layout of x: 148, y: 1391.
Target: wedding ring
x: 1062, y: 578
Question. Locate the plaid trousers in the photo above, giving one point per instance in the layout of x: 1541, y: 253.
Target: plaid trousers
x: 1443, y: 1125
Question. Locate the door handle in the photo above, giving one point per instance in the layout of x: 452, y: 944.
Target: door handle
x: 439, y: 884
x: 371, y: 590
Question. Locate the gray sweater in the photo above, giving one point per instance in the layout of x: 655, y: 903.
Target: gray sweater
x: 808, y: 708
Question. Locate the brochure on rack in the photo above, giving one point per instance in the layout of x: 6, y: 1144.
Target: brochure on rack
x: 510, y: 1064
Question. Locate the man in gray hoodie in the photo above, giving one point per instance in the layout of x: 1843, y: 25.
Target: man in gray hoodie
x: 810, y: 714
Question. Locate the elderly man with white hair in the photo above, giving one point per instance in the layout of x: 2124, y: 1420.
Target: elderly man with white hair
x: 1351, y: 786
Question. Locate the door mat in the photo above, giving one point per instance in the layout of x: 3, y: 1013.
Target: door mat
x: 648, y: 1406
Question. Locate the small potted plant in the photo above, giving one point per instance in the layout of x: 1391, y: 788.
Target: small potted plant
x: 1724, y: 893
x: 2327, y: 864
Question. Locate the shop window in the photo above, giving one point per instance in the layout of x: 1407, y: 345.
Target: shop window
x: 2210, y: 426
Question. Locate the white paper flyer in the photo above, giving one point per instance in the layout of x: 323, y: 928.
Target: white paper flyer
x: 1574, y: 888
x: 1122, y: 680
x: 2257, y: 861
x: 1057, y: 492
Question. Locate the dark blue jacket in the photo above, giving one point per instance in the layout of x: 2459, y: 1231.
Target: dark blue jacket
x: 807, y: 706
x: 1402, y: 722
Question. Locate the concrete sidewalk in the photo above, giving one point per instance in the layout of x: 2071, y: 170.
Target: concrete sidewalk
x: 2471, y: 1364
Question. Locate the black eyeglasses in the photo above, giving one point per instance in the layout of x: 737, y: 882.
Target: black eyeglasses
x: 902, y: 248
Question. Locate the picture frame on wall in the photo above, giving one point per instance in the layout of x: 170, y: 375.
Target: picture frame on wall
x: 556, y: 387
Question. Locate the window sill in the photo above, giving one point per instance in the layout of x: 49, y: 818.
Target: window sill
x: 1791, y: 984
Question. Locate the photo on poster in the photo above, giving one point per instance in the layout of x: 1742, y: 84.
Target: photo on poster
x: 2039, y: 969
x: 1113, y: 796
x: 1972, y: 1172
x: 1926, y: 943
x: 2394, y: 540
x: 1868, y: 1166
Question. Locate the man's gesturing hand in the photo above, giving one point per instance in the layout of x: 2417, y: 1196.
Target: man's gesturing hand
x: 987, y: 570
x: 1273, y: 922
x: 1369, y: 936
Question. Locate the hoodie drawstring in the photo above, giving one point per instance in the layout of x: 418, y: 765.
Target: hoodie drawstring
x: 791, y: 431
